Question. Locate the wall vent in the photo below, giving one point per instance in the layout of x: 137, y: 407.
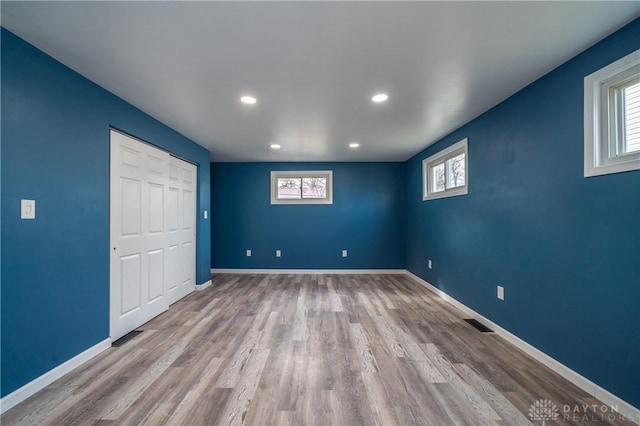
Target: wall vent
x: 124, y: 339
x: 478, y: 326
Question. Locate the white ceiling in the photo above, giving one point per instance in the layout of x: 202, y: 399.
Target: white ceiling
x: 314, y: 65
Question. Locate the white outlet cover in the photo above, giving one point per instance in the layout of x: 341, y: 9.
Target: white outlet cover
x: 27, y: 209
x: 344, y: 253
x: 278, y: 253
x: 500, y: 293
x: 206, y: 214
x: 429, y: 264
x: 248, y: 253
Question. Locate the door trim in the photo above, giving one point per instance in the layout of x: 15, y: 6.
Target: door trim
x: 129, y: 135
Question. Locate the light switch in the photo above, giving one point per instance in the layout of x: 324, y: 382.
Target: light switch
x: 27, y: 209
x: 206, y: 214
x: 278, y: 253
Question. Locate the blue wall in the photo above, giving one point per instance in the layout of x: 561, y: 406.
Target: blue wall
x: 566, y: 248
x: 366, y: 218
x: 55, y: 149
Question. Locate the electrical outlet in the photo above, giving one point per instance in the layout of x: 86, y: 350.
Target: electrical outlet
x: 27, y: 209
x: 429, y: 263
x: 206, y: 214
x: 500, y: 292
x: 344, y: 253
x: 248, y: 253
x: 278, y: 253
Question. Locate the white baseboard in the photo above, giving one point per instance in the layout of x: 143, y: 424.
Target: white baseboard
x: 308, y: 271
x: 629, y: 411
x: 20, y: 394
x: 202, y: 286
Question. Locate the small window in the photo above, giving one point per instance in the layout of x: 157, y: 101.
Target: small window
x: 302, y: 187
x: 445, y: 174
x: 612, y: 118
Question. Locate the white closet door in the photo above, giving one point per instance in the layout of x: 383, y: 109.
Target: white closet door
x: 138, y: 210
x: 181, y: 226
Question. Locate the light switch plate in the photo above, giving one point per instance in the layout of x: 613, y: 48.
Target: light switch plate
x: 278, y: 253
x: 344, y: 253
x: 206, y: 214
x: 248, y: 253
x: 27, y: 209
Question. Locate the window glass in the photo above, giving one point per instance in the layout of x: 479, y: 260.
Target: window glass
x: 455, y: 168
x: 289, y: 188
x: 438, y: 177
x: 314, y: 187
x: 632, y: 118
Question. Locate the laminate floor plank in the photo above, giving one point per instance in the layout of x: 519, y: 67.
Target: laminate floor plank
x: 292, y: 349
x: 204, y: 381
x: 159, y: 400
x: 424, y: 406
x: 491, y: 395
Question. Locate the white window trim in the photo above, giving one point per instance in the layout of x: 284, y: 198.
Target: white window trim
x: 445, y: 154
x: 596, y: 118
x: 328, y: 174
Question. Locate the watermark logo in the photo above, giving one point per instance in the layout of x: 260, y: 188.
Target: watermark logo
x: 543, y: 410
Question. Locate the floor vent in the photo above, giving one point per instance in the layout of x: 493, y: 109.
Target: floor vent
x: 478, y: 326
x: 124, y: 339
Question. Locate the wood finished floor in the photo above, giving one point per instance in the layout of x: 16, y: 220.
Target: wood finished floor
x: 306, y: 350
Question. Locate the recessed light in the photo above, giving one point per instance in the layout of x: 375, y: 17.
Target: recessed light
x: 354, y: 145
x: 380, y: 97
x: 249, y: 100
x: 275, y: 146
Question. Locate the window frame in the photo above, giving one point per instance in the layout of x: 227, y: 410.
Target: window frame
x: 603, y: 121
x: 300, y: 174
x: 442, y: 157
